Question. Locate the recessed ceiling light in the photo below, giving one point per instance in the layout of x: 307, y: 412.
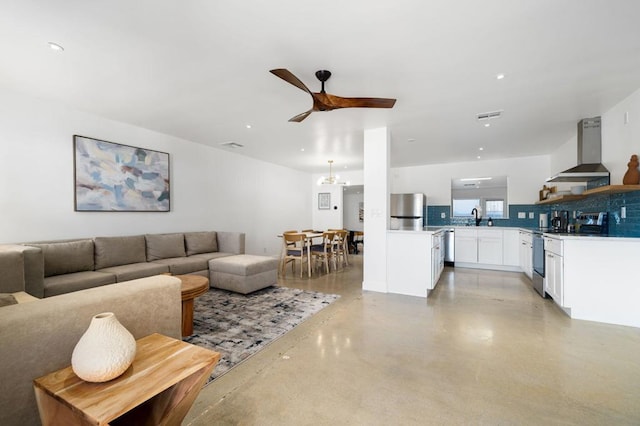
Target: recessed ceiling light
x: 481, y: 149
x: 478, y: 157
x: 499, y: 76
x: 56, y: 47
x: 248, y: 126
x: 302, y: 149
x: 487, y: 124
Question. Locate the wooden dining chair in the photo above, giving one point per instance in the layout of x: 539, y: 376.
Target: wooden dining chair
x: 294, y: 249
x: 341, y: 246
x: 324, y: 252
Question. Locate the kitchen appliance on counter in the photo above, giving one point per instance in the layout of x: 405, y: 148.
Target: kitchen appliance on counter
x: 592, y: 223
x: 408, y: 211
x: 544, y: 221
x: 559, y: 221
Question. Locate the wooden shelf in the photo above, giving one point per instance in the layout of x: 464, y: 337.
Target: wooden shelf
x: 561, y: 199
x: 609, y: 189
x: 612, y: 189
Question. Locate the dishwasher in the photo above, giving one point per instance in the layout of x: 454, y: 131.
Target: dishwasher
x: 449, y: 247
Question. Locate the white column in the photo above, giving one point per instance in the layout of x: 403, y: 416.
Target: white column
x: 376, y: 208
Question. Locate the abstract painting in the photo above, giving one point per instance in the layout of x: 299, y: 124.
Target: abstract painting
x: 115, y: 177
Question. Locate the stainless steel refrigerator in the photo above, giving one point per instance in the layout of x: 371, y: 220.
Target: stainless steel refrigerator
x: 408, y: 211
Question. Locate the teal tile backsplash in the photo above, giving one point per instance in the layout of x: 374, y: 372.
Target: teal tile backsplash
x: 628, y: 227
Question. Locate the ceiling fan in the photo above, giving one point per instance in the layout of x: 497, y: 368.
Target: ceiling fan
x: 323, y: 101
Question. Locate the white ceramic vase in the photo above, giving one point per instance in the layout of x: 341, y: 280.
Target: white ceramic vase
x: 104, y: 351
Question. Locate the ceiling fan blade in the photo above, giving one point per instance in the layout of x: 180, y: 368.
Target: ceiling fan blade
x: 298, y: 118
x: 287, y: 76
x: 340, y: 102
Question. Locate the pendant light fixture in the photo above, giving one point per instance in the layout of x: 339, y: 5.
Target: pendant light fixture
x: 331, y: 180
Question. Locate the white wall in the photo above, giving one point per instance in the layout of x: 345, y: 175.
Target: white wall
x: 351, y: 219
x: 327, y: 219
x: 620, y: 140
x: 526, y: 176
x: 211, y: 189
x: 334, y: 217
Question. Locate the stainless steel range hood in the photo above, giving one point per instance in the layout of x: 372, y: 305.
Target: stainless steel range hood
x: 589, y: 155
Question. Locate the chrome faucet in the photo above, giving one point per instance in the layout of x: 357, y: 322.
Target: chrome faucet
x: 474, y: 212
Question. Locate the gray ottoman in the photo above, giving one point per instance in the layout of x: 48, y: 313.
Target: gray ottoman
x: 243, y: 273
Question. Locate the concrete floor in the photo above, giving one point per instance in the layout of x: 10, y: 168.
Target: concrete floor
x: 483, y: 349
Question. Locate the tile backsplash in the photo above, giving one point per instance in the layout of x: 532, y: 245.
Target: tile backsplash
x: 618, y: 226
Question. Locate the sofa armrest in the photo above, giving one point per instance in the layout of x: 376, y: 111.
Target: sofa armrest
x: 231, y: 242
x: 21, y: 269
x: 34, y: 271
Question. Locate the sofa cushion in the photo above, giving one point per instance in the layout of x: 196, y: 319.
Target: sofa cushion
x: 164, y: 246
x: 116, y: 251
x: 67, y: 283
x: 66, y: 257
x: 7, y: 299
x: 209, y: 256
x: 136, y: 270
x: 201, y: 242
x: 184, y: 265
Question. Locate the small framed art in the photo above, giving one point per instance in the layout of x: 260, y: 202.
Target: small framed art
x: 324, y: 201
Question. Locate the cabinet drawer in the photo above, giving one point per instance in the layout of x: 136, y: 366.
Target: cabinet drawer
x: 553, y: 245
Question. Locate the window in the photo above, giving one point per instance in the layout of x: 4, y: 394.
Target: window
x: 489, y: 193
x: 494, y: 209
x: 462, y: 207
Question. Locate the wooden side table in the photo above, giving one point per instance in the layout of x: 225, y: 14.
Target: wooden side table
x: 192, y: 287
x: 157, y: 389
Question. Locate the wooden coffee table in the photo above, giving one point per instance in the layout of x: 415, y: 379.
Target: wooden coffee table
x: 192, y: 287
x: 158, y: 388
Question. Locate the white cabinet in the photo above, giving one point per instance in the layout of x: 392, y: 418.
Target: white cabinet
x: 554, y: 269
x: 490, y: 246
x: 466, y: 245
x: 414, y: 262
x: 511, y: 247
x: 526, y: 253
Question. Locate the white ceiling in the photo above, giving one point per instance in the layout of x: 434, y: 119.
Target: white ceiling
x: 198, y: 69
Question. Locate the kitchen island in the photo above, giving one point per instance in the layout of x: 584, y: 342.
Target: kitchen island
x: 415, y: 260
x: 594, y: 278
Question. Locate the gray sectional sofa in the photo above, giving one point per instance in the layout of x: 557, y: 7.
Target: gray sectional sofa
x: 59, y: 267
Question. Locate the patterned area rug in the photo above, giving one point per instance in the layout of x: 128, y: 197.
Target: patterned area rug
x: 238, y: 326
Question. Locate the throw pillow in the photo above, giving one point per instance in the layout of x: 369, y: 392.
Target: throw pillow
x: 201, y: 242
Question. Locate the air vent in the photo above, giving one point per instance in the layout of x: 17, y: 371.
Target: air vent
x: 489, y: 115
x: 233, y: 145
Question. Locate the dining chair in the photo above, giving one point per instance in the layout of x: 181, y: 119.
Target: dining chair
x: 358, y: 238
x: 324, y: 252
x: 341, y: 246
x: 294, y: 248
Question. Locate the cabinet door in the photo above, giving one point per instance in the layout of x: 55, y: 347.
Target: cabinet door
x: 466, y: 249
x: 511, y: 247
x: 490, y: 247
x: 558, y: 279
x: 553, y: 276
x: 549, y: 274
